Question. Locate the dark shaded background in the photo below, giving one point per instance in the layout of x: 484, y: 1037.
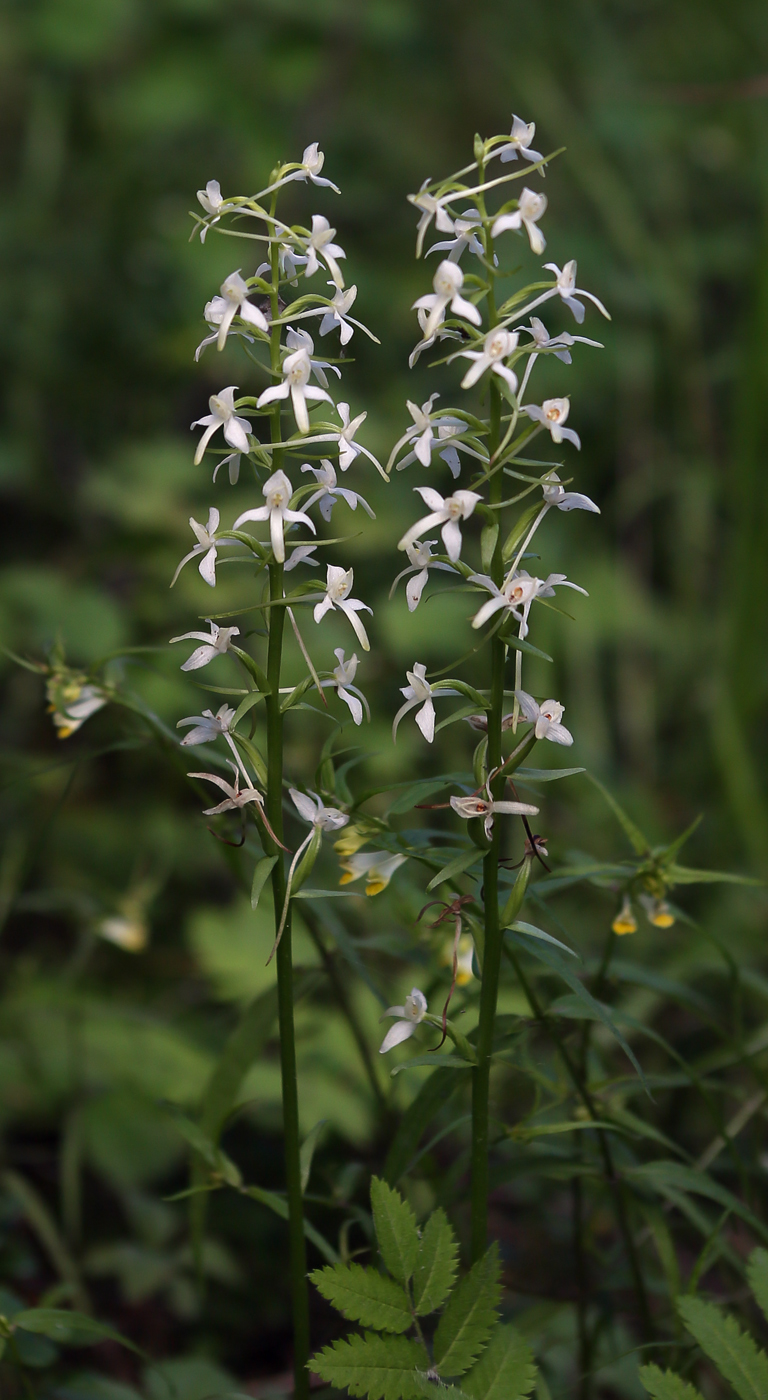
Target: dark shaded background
x: 113, y: 113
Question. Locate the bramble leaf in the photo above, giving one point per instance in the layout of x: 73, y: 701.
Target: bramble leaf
x: 396, y: 1231
x: 505, y: 1371
x: 435, y: 1270
x: 383, y: 1368
x: 364, y: 1295
x: 665, y: 1385
x: 470, y: 1316
x: 733, y: 1351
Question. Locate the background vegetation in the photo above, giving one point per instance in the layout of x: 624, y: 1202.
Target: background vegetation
x: 113, y: 113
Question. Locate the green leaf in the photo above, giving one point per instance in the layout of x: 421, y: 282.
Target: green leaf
x: 457, y: 866
x: 488, y: 537
x: 69, y: 1328
x: 435, y: 1093
x: 470, y: 1316
x: 633, y: 833
x: 506, y: 1371
x: 682, y: 875
x: 733, y: 1351
x: 435, y: 1270
x: 665, y: 1385
x: 279, y: 1205
x: 445, y: 1062
x: 364, y: 1295
x: 417, y: 792
x: 757, y: 1273
x: 674, y: 1177
x: 383, y: 1368
x: 547, y: 775
x: 261, y: 874
x: 520, y: 926
x: 308, y: 1151
x: 396, y: 1231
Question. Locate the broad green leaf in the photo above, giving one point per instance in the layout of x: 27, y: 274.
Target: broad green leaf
x: 68, y: 1328
x: 632, y: 832
x: 505, y: 1371
x: 383, y: 1368
x: 364, y: 1295
x: 457, y: 866
x: 733, y: 1351
x: 665, y: 1385
x: 435, y: 1270
x: 436, y: 1092
x: 261, y: 874
x: 470, y: 1316
x: 396, y: 1231
x: 757, y: 1273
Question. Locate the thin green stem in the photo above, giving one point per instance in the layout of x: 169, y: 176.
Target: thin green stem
x: 582, y: 1290
x: 274, y: 808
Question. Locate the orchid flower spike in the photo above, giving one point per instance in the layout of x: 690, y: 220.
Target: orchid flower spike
x: 409, y: 1017
x: 297, y: 368
x: 447, y: 283
x: 330, y: 493
x: 313, y: 810
x: 497, y: 347
x: 465, y: 237
x: 430, y: 208
x: 566, y: 288
x: 234, y: 292
x: 319, y: 245
x: 278, y: 492
x: 486, y: 808
x: 299, y: 339
x: 337, y: 590
x: 378, y: 867
x: 552, y: 415
x: 222, y: 415
x: 558, y: 344
x: 545, y: 718
x: 236, y: 798
x: 341, y: 681
x: 336, y: 316
x: 208, y: 545
x: 555, y: 494
x: 419, y: 692
x: 312, y: 163
x: 446, y: 511
x: 520, y: 138
x: 421, y: 561
x: 214, y: 644
x: 530, y: 208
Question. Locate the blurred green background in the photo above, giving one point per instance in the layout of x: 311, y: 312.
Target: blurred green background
x: 114, y: 112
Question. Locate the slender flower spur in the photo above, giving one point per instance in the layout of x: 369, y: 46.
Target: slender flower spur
x: 410, y: 1015
x: 447, y: 283
x: 337, y: 590
x: 277, y: 491
x: 215, y: 643
x: 222, y: 415
x: 446, y: 511
x: 208, y: 545
x: 545, y: 718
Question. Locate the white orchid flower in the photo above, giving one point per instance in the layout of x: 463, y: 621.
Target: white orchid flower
x: 236, y: 797
x: 420, y: 561
x: 215, y: 311
x: 421, y: 435
x: 216, y: 643
x: 430, y: 208
x: 446, y: 511
x: 313, y: 810
x: 222, y: 415
x: 378, y: 867
x: 464, y: 228
x: 516, y: 592
x: 552, y: 415
x: 551, y: 582
x: 234, y: 292
x: 318, y: 245
x: 302, y: 554
x: 341, y: 682
x: 497, y: 347
x: 297, y: 368
x: 440, y: 334
x: 327, y: 496
x: 337, y: 316
x: 299, y: 339
x: 289, y: 259
x: 232, y: 462
x: 208, y: 727
x: 278, y: 491
x: 558, y: 344
x: 84, y: 702
x: 545, y: 718
x: 486, y: 808
x: 208, y: 545
x: 212, y: 202
x: 312, y: 163
x: 520, y: 138
x: 348, y: 448
x: 409, y: 1017
x: 419, y: 692
x: 555, y: 494
x: 447, y: 283
x: 567, y: 289
x: 530, y: 208
x: 337, y: 590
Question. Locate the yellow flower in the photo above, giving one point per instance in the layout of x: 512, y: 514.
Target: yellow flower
x: 130, y: 934
x: 661, y: 915
x: 350, y: 842
x: 378, y: 867
x: 625, y: 921
x: 465, y: 952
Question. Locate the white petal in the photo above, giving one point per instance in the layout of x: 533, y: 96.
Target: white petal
x: 426, y: 720
x: 402, y: 1030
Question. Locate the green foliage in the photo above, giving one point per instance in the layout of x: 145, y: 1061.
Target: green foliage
x: 383, y: 1368
x: 665, y: 1385
x: 470, y: 1316
x: 505, y: 1371
x: 396, y: 1232
x: 365, y: 1296
x: 436, y: 1264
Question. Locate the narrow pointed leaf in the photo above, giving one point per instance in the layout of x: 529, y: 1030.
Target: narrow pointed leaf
x: 632, y: 832
x: 68, y: 1328
x: 457, y: 866
x: 435, y: 1094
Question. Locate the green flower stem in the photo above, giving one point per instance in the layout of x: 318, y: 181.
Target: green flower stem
x: 274, y: 808
x: 489, y: 989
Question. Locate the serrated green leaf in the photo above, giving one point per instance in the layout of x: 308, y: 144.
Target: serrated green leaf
x: 68, y: 1328
x: 757, y: 1273
x: 364, y: 1295
x: 733, y: 1351
x: 457, y: 866
x: 665, y: 1385
x: 470, y: 1316
x: 396, y: 1232
x: 383, y: 1368
x: 435, y: 1270
x: 506, y: 1370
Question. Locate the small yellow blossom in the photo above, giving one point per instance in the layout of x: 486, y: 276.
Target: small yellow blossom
x: 378, y: 867
x: 625, y: 921
x: 350, y: 842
